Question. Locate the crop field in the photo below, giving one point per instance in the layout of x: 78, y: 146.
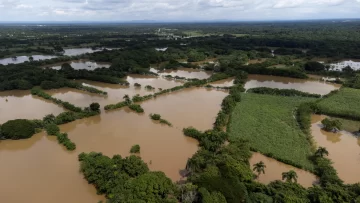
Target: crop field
x: 268, y: 123
x: 344, y: 104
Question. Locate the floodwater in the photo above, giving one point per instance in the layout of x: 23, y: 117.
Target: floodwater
x: 343, y: 148
x: 224, y: 83
x: 54, y: 169
x: 43, y: 171
x: 22, y: 59
x: 79, y: 51
x: 304, y: 85
x: 274, y: 170
x: 40, y: 170
x: 115, y: 92
x: 21, y: 104
x: 184, y: 72
x: 83, y: 64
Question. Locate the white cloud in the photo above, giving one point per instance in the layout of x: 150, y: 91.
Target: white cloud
x: 102, y: 10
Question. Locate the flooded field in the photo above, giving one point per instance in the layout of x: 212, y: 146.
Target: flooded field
x: 274, y: 170
x: 22, y: 59
x: 115, y: 92
x: 343, y: 147
x: 184, y: 72
x: 40, y: 170
x: 114, y: 132
x: 17, y: 104
x: 304, y: 85
x: 83, y: 64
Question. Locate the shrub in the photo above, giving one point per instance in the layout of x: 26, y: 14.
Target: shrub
x: 95, y: 107
x: 155, y: 117
x: 135, y: 149
x: 18, y: 129
x: 64, y: 140
x: 137, y: 85
x: 137, y: 108
x: 52, y: 129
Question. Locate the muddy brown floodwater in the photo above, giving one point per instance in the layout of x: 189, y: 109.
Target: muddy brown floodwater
x: 274, y: 170
x: 17, y: 104
x: 115, y: 92
x: 343, y: 147
x: 40, y: 170
x: 184, y: 72
x: 304, y: 85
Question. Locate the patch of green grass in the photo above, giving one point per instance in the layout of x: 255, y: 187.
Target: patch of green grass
x: 344, y: 104
x: 349, y: 125
x: 269, y: 123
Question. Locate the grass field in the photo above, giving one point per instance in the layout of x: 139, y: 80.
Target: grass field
x: 345, y: 103
x: 269, y: 124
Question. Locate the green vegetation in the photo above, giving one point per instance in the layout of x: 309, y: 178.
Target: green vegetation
x: 331, y: 125
x: 157, y: 117
x: 137, y: 108
x: 64, y: 140
x: 52, y: 129
x: 268, y: 123
x: 290, y: 176
x: 209, y: 140
x: 282, y: 92
x: 17, y: 129
x: 125, y: 180
x: 343, y: 104
x: 321, y: 152
x: 259, y: 168
x: 135, y: 149
x: 95, y: 107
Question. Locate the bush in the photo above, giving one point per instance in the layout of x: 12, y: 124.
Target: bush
x: 18, y: 129
x: 163, y: 121
x: 137, y: 108
x: 135, y: 149
x: 95, y: 107
x: 52, y: 129
x: 64, y: 140
x: 282, y: 92
x: 155, y: 117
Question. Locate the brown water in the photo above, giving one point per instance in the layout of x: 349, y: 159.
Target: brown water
x: 51, y: 171
x: 343, y: 147
x: 21, y: 104
x: 274, y: 170
x: 305, y: 85
x: 184, y: 72
x: 40, y: 170
x: 115, y: 92
x: 82, y: 64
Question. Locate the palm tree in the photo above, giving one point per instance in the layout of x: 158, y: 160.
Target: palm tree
x: 259, y: 168
x: 127, y: 99
x: 290, y: 176
x: 321, y: 152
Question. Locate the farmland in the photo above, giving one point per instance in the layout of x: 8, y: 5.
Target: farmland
x: 344, y: 103
x: 268, y: 123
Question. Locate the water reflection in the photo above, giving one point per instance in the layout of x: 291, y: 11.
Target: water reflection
x: 17, y: 104
x: 82, y: 64
x: 343, y: 147
x: 22, y: 59
x: 274, y: 170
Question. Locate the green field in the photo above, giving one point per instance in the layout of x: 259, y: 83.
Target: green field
x: 345, y: 103
x: 269, y: 124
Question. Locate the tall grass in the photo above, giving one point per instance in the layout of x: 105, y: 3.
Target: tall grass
x: 269, y: 123
x: 344, y: 104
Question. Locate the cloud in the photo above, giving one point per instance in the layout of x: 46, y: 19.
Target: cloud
x: 104, y: 10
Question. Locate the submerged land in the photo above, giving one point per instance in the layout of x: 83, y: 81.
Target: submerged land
x: 203, y: 113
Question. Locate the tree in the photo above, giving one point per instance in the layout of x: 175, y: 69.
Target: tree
x: 50, y: 118
x: 95, y: 107
x: 314, y: 66
x: 31, y: 58
x: 135, y: 149
x: 259, y: 168
x: 18, y: 129
x: 331, y: 125
x: 127, y: 99
x: 290, y: 176
x: 321, y: 151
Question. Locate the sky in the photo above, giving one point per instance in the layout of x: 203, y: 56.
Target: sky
x: 176, y: 10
